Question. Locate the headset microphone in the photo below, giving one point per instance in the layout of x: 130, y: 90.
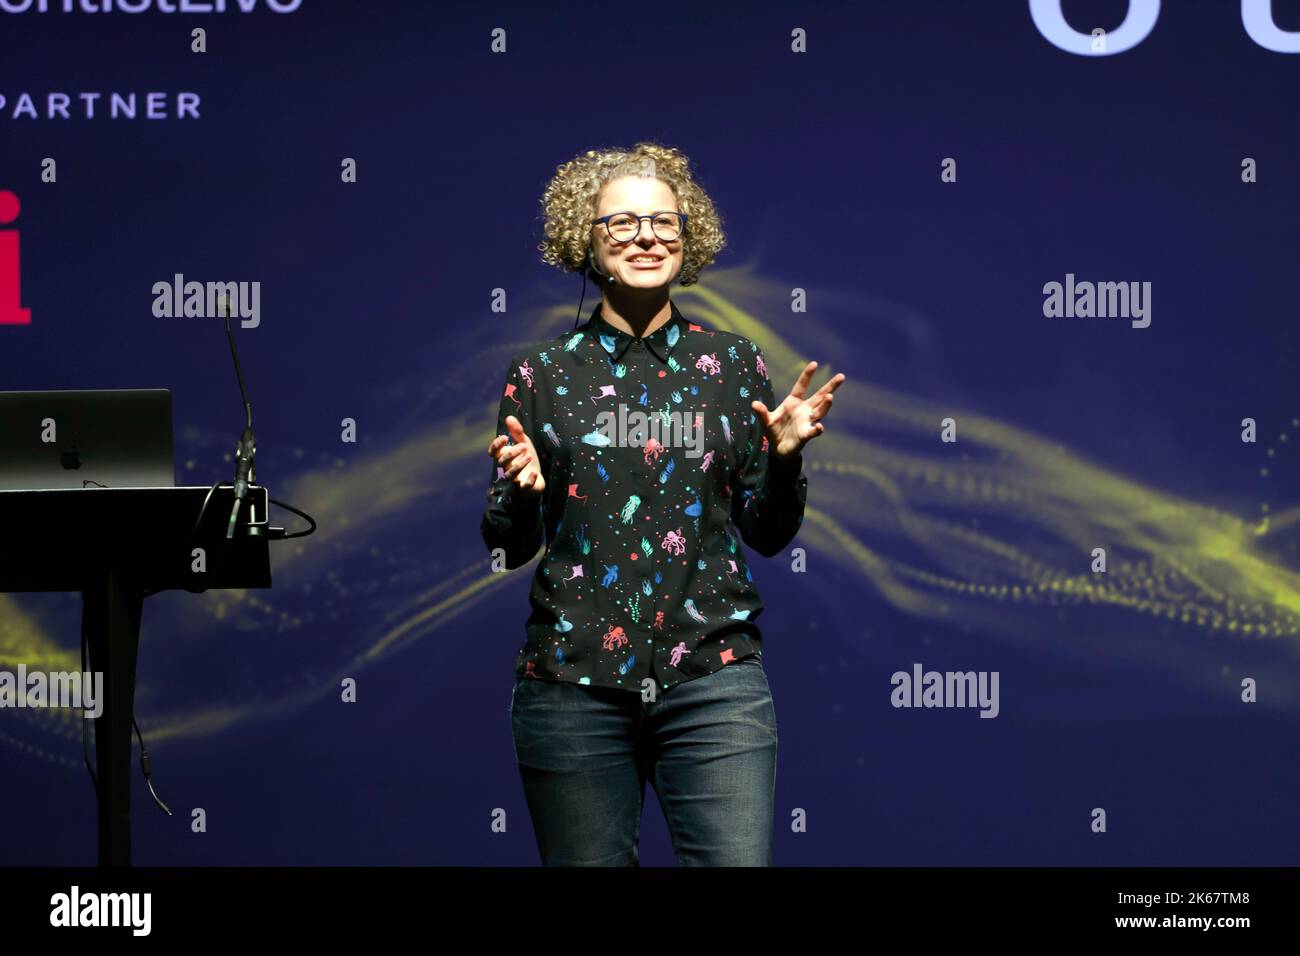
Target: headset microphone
x: 592, y: 267
x: 591, y: 261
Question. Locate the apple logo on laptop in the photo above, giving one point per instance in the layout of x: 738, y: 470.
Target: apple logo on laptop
x: 71, y: 459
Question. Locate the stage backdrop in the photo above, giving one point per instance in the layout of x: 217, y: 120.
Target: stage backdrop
x: 902, y: 184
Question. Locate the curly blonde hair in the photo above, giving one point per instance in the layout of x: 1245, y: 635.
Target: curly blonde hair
x: 569, y: 205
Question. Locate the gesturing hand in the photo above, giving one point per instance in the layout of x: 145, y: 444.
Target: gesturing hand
x: 797, y: 420
x: 519, y: 460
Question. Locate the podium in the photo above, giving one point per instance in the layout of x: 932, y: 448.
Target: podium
x: 115, y: 545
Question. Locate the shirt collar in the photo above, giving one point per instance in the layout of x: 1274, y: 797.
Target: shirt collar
x: 615, y: 341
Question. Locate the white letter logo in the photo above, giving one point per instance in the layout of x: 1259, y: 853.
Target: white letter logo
x: 1138, y: 23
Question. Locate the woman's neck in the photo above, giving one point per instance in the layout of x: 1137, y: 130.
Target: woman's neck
x: 637, y: 315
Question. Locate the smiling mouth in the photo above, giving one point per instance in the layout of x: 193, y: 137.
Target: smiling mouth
x: 647, y: 263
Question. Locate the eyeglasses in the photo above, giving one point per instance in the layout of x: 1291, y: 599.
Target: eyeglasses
x: 626, y: 226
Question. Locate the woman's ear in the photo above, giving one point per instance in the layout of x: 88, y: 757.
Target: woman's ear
x: 593, y: 273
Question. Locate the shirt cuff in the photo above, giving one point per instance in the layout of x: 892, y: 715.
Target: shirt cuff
x: 518, y: 503
x: 783, y: 474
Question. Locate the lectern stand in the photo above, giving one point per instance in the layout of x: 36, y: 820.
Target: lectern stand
x: 114, y: 545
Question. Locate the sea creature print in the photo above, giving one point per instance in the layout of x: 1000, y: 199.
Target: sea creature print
x: 708, y: 364
x: 694, y: 612
x: 614, y: 639
x: 526, y: 373
x: 653, y: 449
x: 629, y: 509
x: 673, y: 542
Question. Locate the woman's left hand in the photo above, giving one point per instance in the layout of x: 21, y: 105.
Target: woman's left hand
x: 797, y: 420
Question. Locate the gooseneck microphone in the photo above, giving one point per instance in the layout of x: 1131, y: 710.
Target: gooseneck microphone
x: 247, y: 446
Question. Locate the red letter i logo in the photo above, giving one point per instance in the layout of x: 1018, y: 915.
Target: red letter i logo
x: 11, y: 307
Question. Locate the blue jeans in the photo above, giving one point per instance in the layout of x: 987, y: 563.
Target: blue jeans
x: 708, y: 747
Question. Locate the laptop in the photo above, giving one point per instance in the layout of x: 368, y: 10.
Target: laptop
x: 87, y: 438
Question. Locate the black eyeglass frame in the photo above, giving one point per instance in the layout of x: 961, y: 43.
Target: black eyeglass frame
x: 651, y: 217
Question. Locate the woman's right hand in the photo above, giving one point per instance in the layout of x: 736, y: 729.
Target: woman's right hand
x: 519, y: 460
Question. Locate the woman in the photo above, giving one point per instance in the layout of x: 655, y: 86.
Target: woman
x: 641, y: 446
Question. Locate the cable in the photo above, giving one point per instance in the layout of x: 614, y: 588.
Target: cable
x: 85, y: 737
x: 582, y: 298
x: 197, y: 522
x: 301, y: 514
x: 144, y: 769
x: 202, y: 511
